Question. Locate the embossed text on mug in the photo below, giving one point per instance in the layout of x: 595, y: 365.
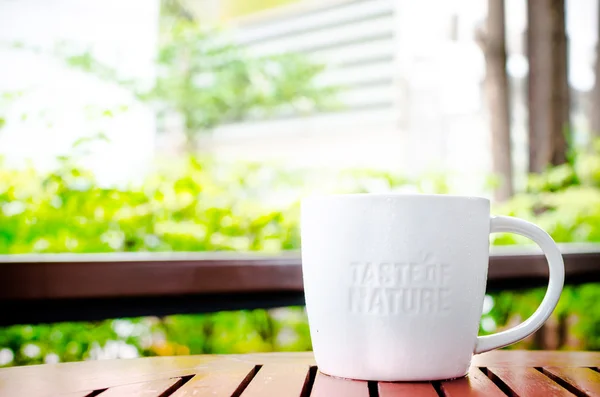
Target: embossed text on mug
x: 387, y: 288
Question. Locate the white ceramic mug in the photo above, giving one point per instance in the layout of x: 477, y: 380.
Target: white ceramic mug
x: 394, y: 283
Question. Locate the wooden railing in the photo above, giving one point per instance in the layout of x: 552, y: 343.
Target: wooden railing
x: 69, y: 287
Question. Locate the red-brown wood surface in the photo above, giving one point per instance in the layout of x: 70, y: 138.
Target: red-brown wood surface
x: 161, y: 387
x: 218, y: 381
x: 475, y: 384
x: 84, y: 393
x: 327, y: 386
x: 387, y: 389
x: 43, y: 288
x: 284, y: 380
x: 494, y: 374
x: 64, y: 276
x: 524, y: 358
x: 60, y: 379
x: 525, y: 381
x: 585, y: 380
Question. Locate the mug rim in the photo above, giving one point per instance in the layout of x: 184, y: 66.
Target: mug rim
x: 436, y: 196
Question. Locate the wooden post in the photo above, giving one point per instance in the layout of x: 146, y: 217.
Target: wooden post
x: 496, y: 87
x: 594, y: 111
x: 548, y: 91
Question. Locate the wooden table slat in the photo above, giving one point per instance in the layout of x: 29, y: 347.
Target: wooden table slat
x: 540, y: 358
x: 387, y: 389
x: 520, y: 373
x: 286, y: 380
x: 84, y: 393
x: 585, y: 380
x: 475, y: 384
x: 223, y: 381
x: 327, y: 386
x: 155, y: 388
x: 528, y: 382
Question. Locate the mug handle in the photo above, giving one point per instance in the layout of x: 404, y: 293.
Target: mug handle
x: 555, y: 283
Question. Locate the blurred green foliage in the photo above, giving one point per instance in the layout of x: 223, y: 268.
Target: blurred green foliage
x: 224, y: 332
x: 564, y: 201
x: 202, y: 205
x: 205, y: 79
x: 208, y: 80
x: 194, y: 205
x: 239, y: 8
x: 6, y: 100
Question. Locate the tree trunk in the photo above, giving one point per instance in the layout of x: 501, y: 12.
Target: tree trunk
x: 496, y: 87
x: 594, y: 111
x: 548, y: 89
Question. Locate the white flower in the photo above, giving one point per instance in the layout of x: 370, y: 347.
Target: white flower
x: 127, y: 351
x: 488, y: 324
x: 286, y: 336
x: 13, y: 208
x: 51, y: 358
x: 114, y: 238
x: 123, y: 328
x: 96, y: 352
x: 56, y: 202
x: 71, y: 243
x: 30, y: 350
x: 488, y: 304
x: 151, y: 241
x: 113, y: 349
x: 41, y: 244
x: 6, y: 356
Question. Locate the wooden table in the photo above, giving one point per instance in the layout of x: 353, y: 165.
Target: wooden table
x: 498, y: 373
